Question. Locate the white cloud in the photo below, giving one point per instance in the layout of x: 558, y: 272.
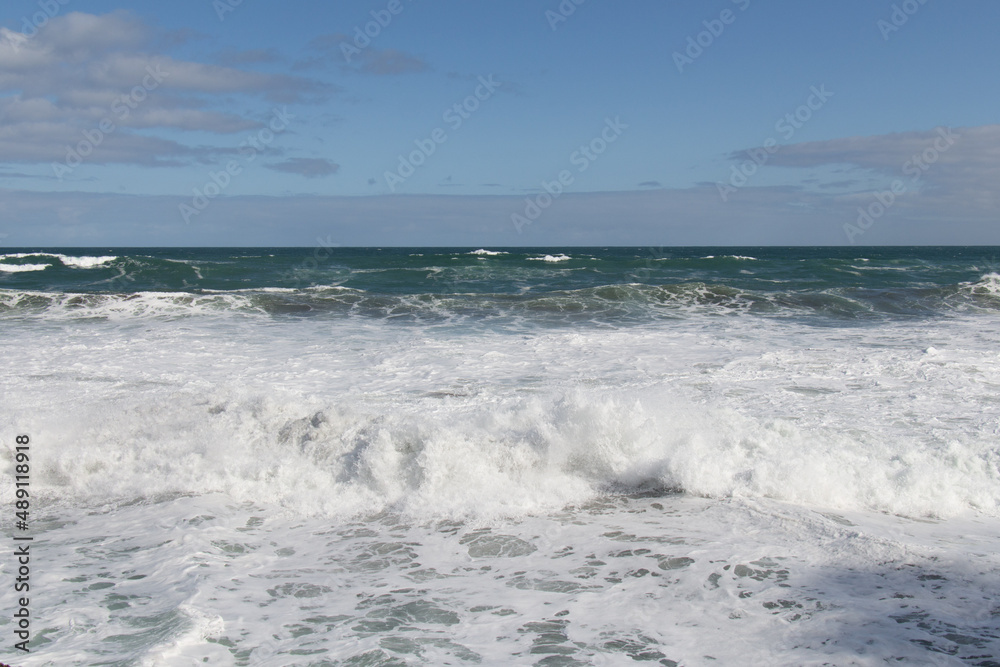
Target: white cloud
x: 80, y: 70
x: 953, y: 169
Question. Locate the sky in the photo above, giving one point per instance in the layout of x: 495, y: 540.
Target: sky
x: 499, y: 122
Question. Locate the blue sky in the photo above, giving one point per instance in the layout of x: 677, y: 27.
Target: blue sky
x: 511, y: 122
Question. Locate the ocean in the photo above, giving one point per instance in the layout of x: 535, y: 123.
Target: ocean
x: 501, y: 456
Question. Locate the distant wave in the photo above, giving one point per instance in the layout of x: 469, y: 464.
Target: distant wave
x: 551, y: 258
x: 619, y: 303
x: 67, y: 260
x: 490, y: 253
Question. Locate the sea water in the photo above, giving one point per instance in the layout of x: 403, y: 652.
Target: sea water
x: 504, y: 456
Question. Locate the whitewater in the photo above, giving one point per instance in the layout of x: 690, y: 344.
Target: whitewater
x: 500, y: 456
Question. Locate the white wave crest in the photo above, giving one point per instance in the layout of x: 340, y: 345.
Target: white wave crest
x: 513, y: 458
x: 118, y: 307
x: 84, y: 262
x: 19, y: 268
x: 551, y: 258
x: 988, y: 284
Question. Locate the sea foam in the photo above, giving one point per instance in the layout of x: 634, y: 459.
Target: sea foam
x: 409, y: 430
